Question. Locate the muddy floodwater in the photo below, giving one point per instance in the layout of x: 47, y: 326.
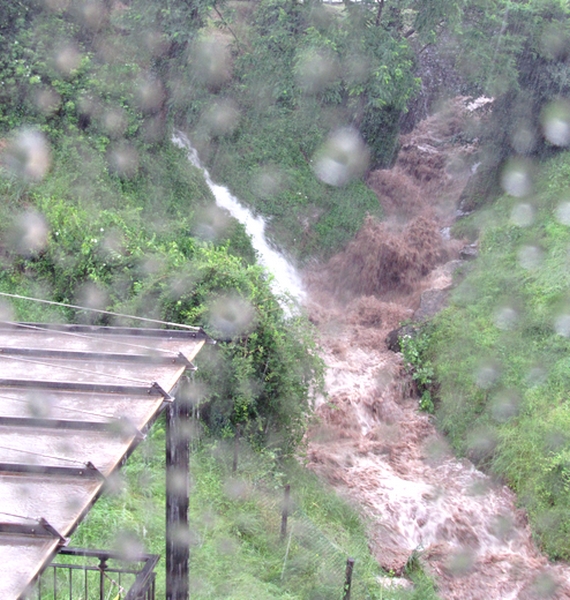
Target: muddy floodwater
x: 369, y: 439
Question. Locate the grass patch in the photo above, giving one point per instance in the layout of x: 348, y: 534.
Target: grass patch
x: 268, y: 168
x: 236, y: 550
x: 501, y: 354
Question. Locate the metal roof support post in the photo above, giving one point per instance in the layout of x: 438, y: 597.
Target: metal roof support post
x: 178, y: 425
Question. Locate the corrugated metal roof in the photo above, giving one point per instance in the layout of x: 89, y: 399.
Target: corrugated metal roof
x: 74, y: 400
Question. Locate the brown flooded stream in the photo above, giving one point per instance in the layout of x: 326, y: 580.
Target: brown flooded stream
x: 369, y: 438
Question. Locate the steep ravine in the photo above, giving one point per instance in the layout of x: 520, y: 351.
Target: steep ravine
x: 369, y: 438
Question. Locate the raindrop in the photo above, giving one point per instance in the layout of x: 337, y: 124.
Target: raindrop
x: 554, y: 42
x: 522, y: 214
x: 556, y: 123
x: 128, y: 545
x: 115, y: 483
x: 505, y: 406
x: 460, y: 562
x: 6, y: 311
x: 315, y: 70
x: 436, y: 451
x: 481, y: 444
x: 156, y: 43
x: 231, y: 315
x: 192, y: 393
x: 486, y: 375
x: 29, y: 234
x: 48, y: 101
x: 524, y: 139
x: 530, y: 257
x: 92, y: 13
x: 267, y: 182
x: 562, y: 325
x: 506, y: 318
x: 516, y: 179
x: 563, y: 212
x: 28, y: 156
x: 150, y: 95
x: 39, y: 405
x: 211, y: 62
x: 177, y: 481
x: 92, y: 296
x: 222, y: 118
x: 236, y: 489
x: 115, y: 122
x: 356, y: 69
x: 544, y: 586
x: 536, y: 376
x: 502, y: 527
x: 211, y: 224
x: 343, y: 157
x: 124, y: 160
x: 122, y: 428
x: 67, y: 60
x: 228, y: 546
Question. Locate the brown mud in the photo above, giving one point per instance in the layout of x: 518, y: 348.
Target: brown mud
x: 369, y: 439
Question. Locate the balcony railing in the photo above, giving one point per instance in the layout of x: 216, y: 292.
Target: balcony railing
x: 79, y: 574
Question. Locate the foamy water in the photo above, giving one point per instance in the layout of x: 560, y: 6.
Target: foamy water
x: 286, y: 280
x: 375, y: 446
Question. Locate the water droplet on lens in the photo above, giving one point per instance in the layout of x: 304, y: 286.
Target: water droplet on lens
x: 563, y: 212
x: 342, y: 157
x: 562, y: 325
x: 486, y: 376
x: 530, y: 257
x: 522, y: 214
x: 516, y: 179
x: 506, y: 318
x: 27, y: 155
x: 556, y: 123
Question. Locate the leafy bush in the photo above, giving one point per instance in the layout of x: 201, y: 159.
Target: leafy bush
x: 414, y: 348
x: 500, y: 354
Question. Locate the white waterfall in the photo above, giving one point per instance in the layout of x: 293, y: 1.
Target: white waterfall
x: 286, y: 280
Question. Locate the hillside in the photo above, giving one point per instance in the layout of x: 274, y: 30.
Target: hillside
x: 315, y: 117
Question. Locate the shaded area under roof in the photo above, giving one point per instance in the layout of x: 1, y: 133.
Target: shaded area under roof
x: 74, y: 402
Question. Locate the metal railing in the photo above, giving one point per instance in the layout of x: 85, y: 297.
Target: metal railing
x: 80, y: 574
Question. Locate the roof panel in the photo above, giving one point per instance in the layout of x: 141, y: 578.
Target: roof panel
x: 15, y: 575
x: 73, y: 399
x: 78, y: 406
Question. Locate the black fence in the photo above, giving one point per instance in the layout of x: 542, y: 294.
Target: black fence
x: 79, y: 574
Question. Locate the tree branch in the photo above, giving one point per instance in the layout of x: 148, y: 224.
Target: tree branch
x: 225, y: 23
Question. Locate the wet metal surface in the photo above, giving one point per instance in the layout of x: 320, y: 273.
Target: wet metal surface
x: 73, y: 403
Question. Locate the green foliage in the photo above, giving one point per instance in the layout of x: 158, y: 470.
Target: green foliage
x: 500, y: 354
x: 525, y: 69
x: 414, y: 348
x: 138, y: 256
x: 235, y: 520
x: 300, y: 72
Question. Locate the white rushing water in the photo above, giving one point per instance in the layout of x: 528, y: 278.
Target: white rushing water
x: 286, y: 280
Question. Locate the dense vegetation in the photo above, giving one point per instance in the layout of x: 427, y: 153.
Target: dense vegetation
x: 101, y: 210
x: 291, y: 103
x: 235, y: 519
x: 501, y: 353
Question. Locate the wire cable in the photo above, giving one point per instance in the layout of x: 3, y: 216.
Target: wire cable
x: 74, y: 369
x: 44, y: 455
x: 88, y: 337
x: 100, y: 311
x: 64, y: 408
